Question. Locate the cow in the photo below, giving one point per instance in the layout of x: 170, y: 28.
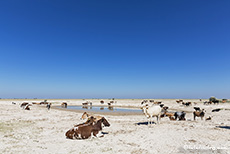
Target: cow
x: 64, y: 105
x: 24, y: 104
x: 216, y: 110
x: 180, y: 115
x: 199, y: 114
x: 48, y: 106
x: 152, y: 111
x: 86, y: 130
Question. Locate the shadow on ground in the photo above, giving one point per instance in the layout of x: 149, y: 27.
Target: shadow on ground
x: 143, y: 123
x: 225, y: 127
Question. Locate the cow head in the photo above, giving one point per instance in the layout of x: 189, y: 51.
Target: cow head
x: 105, y: 122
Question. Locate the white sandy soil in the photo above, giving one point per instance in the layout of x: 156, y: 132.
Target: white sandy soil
x: 43, y: 132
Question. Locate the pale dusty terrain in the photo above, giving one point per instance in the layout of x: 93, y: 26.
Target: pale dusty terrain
x: 43, y: 131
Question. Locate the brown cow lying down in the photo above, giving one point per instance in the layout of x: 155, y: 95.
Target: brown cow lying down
x: 24, y: 104
x: 85, y: 131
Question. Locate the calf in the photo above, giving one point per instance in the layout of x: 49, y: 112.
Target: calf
x: 198, y: 114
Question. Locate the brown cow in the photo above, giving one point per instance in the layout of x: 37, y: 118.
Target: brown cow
x: 27, y: 107
x: 70, y: 133
x: 172, y: 118
x: 85, y: 103
x: 199, y: 114
x: 85, y: 131
x: 24, y: 104
x: 64, y: 105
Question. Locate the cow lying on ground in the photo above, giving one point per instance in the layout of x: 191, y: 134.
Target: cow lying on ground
x: 216, y: 110
x: 179, y: 101
x: 27, y: 107
x: 180, y: 115
x: 187, y: 103
x: 206, y: 102
x: 24, y: 104
x: 70, y: 133
x: 86, y: 130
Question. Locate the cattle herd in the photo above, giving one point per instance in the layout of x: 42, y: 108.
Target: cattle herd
x: 93, y: 125
x: 157, y: 109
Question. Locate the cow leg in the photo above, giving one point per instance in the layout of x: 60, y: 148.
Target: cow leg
x: 99, y: 134
x: 148, y: 121
x: 95, y: 133
x: 158, y: 118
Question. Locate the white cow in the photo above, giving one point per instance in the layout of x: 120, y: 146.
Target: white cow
x: 152, y: 111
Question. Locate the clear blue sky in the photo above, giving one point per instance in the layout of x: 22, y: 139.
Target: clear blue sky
x: 120, y: 49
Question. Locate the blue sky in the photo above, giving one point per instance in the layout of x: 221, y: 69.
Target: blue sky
x: 114, y: 49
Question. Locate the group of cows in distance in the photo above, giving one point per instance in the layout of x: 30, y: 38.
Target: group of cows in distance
x: 157, y: 109
x: 93, y: 125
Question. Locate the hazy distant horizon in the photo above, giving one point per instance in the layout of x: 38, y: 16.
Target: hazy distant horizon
x: 101, y: 98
